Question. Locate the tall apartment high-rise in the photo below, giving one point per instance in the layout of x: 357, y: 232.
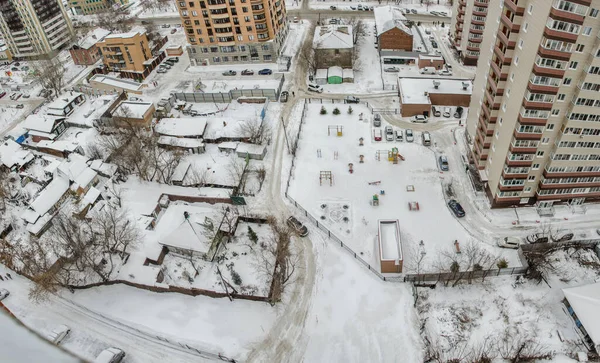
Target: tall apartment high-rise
x: 468, y: 26
x: 535, y: 132
x: 234, y: 31
x: 35, y: 28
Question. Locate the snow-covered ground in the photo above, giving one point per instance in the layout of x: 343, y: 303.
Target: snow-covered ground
x: 345, y: 206
x: 407, y: 4
x: 501, y: 312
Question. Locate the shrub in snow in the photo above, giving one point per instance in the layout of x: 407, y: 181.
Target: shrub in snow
x: 502, y: 263
x: 442, y: 25
x: 336, y: 111
x: 323, y: 110
x: 418, y: 23
x: 477, y: 267
x: 350, y: 110
x: 252, y: 235
x: 454, y: 267
x: 237, y: 279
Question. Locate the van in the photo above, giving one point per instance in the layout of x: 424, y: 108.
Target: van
x: 428, y: 70
x: 426, y: 136
x: 447, y: 112
x: 436, y: 111
x: 389, y: 133
x: 315, y: 88
x: 458, y: 112
x: 377, y: 134
x: 110, y: 355
x: 444, y: 163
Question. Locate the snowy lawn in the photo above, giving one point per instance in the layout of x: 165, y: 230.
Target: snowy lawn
x: 409, y: 4
x: 345, y: 206
x: 213, y: 324
x: 502, y: 312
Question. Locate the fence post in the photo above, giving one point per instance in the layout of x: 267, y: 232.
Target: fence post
x: 329, y: 233
x: 498, y: 272
x: 513, y: 271
x: 317, y: 223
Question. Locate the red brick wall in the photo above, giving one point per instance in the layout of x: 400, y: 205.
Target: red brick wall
x: 449, y: 99
x: 438, y: 64
x: 396, y: 39
x: 84, y: 57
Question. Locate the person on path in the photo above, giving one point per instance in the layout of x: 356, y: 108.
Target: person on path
x: 9, y: 276
x: 1, y: 278
x: 293, y: 94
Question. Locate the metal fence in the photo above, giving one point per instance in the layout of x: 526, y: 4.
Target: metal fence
x: 426, y: 277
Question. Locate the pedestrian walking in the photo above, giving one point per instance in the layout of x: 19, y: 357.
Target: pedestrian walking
x: 1, y: 278
x: 9, y: 276
x: 293, y: 94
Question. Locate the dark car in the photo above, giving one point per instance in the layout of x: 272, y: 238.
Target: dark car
x: 458, y: 113
x: 229, y: 73
x: 351, y: 99
x: 284, y: 96
x: 247, y: 72
x: 537, y: 238
x: 456, y: 208
x: 265, y: 72
x: 2, y: 94
x: 298, y: 227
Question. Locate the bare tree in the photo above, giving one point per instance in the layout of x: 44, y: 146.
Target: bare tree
x: 116, y: 232
x: 308, y: 58
x: 51, y: 74
x: 261, y: 174
x: 359, y: 29
x: 199, y: 177
x: 256, y: 130
x: 111, y: 20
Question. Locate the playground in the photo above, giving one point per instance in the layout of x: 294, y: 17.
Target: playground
x: 348, y: 181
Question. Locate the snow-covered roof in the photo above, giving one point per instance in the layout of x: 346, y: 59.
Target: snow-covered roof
x: 229, y: 145
x: 321, y: 73
x: 252, y: 149
x: 130, y: 34
x: 180, y: 142
x: 104, y: 168
x: 91, y: 110
x: 335, y: 71
x: 75, y: 168
x: 389, y: 17
x: 585, y: 300
x: 431, y: 57
x: 217, y: 127
x: 132, y: 109
x: 181, y: 126
x: 90, y: 197
x: 43, y: 123
x: 180, y: 171
x: 63, y: 100
x: 50, y: 195
x: 389, y: 240
x: 97, y: 35
x: 12, y: 154
x: 417, y: 90
x: 347, y: 73
x: 61, y: 145
x: 333, y: 37
x: 125, y: 84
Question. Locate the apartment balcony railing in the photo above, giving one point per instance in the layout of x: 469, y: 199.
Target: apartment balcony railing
x: 560, y: 35
x: 554, y: 54
x: 510, y: 24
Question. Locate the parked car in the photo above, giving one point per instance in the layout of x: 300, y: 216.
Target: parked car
x: 296, y: 19
x: 419, y: 118
x: 456, y: 208
x: 247, y: 72
x: 427, y: 70
x: 377, y: 135
x: 315, y: 88
x: 449, y: 67
x: 399, y: 135
x: 58, y: 334
x: 161, y: 70
x: 413, y: 11
x: 427, y: 31
x: 445, y: 72
x: 229, y: 73
x: 110, y: 355
x: 360, y: 7
x: 436, y: 110
x: 173, y: 31
x: 26, y: 95
x: 447, y: 112
x: 389, y: 133
x: 284, y: 96
x: 377, y: 120
x: 410, y: 136
x: 509, y: 242
x: 20, y: 105
x: 169, y: 62
x: 426, y: 138
x: 351, y: 99
x: 297, y: 226
x: 265, y: 72
x: 144, y: 22
x: 174, y: 59
x: 537, y: 238
x: 333, y: 7
x: 165, y: 66
x: 371, y: 8
x: 334, y: 21
x: 391, y: 69
x: 562, y: 235
x: 434, y: 44
x: 2, y: 94
x: 4, y: 294
x: 352, y: 7
x: 458, y: 113
x: 444, y: 163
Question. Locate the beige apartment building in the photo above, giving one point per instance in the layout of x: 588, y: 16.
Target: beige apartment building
x: 233, y: 31
x: 535, y: 133
x: 127, y: 53
x: 35, y: 28
x: 87, y: 7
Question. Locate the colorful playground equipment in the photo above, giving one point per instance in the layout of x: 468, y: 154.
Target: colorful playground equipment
x: 324, y: 176
x: 392, y: 155
x: 361, y: 142
x: 362, y: 159
x: 375, y: 200
x: 339, y: 130
x: 350, y: 168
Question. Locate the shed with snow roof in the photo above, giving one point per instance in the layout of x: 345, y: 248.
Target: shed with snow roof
x: 334, y: 46
x: 335, y: 75
x: 320, y: 77
x: 582, y: 304
x: 390, y: 247
x: 251, y: 151
x: 347, y: 75
x: 393, y: 32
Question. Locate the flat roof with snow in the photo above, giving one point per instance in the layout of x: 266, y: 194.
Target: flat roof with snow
x: 117, y: 82
x: 389, y: 240
x: 585, y: 301
x: 43, y: 123
x: 130, y: 34
x: 12, y: 154
x: 181, y: 126
x: 97, y: 35
x: 50, y: 195
x: 417, y: 90
x: 180, y: 142
x: 63, y: 100
x: 132, y: 109
x: 252, y: 149
x: 389, y: 17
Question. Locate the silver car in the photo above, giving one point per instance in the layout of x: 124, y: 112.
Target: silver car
x: 410, y: 136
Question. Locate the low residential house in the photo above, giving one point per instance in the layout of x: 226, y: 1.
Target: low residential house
x: 435, y: 61
x: 65, y: 104
x: 251, y: 151
x: 76, y: 170
x: 106, y: 170
x: 182, y: 133
x: 180, y: 172
x: 44, y: 127
x: 130, y: 113
x: 392, y: 30
x: 334, y: 46
x: 85, y: 52
x: 59, y: 148
x: 582, y: 304
x: 41, y: 210
x: 108, y: 84
x: 13, y: 157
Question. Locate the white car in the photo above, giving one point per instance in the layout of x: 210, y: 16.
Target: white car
x: 419, y: 118
x: 410, y: 136
x: 4, y: 294
x: 315, y: 88
x: 509, y: 242
x: 562, y: 235
x: 391, y: 69
x: 444, y: 72
x: 110, y: 355
x: 58, y: 334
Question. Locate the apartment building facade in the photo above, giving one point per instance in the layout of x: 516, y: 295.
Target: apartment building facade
x: 126, y: 53
x: 467, y: 28
x: 536, y: 130
x: 233, y: 31
x: 87, y: 7
x: 35, y: 28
